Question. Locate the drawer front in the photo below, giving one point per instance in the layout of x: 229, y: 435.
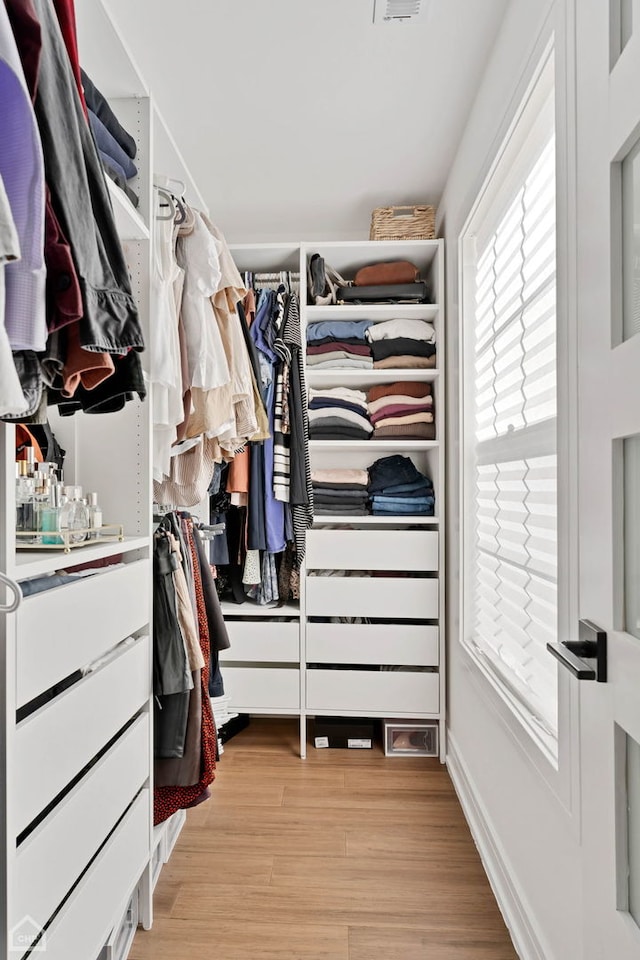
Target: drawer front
x: 83, y: 925
x: 52, y: 858
x: 53, y: 643
x: 269, y: 688
x: 372, y: 550
x: 384, y: 643
x: 59, y: 739
x: 261, y: 642
x: 389, y: 597
x: 386, y: 692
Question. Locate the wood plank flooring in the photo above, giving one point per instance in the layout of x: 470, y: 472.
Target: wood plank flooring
x: 347, y: 855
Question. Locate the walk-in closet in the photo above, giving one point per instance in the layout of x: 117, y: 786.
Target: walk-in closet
x: 320, y: 460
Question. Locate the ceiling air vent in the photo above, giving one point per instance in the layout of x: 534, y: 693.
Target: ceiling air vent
x: 400, y: 11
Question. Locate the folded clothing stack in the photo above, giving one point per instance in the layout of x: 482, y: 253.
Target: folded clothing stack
x: 403, y: 344
x: 116, y: 147
x: 338, y: 413
x: 397, y: 488
x: 402, y: 410
x: 339, y: 344
x: 340, y: 492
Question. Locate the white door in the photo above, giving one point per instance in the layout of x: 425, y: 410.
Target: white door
x: 608, y: 281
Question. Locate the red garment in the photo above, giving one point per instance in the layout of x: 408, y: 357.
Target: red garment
x: 66, y: 13
x: 166, y: 800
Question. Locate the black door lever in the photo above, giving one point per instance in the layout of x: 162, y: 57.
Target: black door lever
x: 586, y: 657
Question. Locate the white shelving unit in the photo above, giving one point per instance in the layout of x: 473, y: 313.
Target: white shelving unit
x: 79, y: 855
x: 295, y: 664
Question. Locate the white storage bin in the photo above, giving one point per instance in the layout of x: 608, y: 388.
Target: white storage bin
x: 372, y: 550
x: 68, y: 627
x: 68, y: 837
x: 402, y: 598
x: 372, y: 692
x: 59, y: 739
x: 265, y: 689
x: 383, y: 643
x: 84, y: 924
x: 264, y: 642
x: 406, y: 738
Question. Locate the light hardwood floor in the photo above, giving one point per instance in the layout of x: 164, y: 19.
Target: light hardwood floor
x: 345, y: 856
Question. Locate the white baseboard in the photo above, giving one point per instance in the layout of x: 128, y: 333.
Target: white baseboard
x: 512, y: 904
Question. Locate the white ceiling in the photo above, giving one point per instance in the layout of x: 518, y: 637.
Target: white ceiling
x: 298, y: 117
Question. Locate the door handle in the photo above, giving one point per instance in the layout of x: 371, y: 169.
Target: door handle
x: 16, y: 591
x: 586, y: 657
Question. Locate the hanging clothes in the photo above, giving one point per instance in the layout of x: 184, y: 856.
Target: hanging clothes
x: 12, y: 399
x: 185, y: 737
x: 301, y: 488
x: 22, y: 170
x: 166, y: 366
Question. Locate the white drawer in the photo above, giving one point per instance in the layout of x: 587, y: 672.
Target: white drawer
x: 389, y: 693
x: 386, y: 643
x: 262, y: 688
x: 270, y: 642
x: 52, y: 858
x: 58, y: 740
x: 372, y: 550
x: 83, y: 925
x: 403, y: 598
x: 68, y: 627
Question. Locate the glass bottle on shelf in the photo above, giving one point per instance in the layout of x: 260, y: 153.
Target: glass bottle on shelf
x: 50, y: 517
x: 74, y: 515
x: 25, y: 503
x: 95, y: 515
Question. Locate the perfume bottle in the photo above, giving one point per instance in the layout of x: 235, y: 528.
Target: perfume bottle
x: 25, y: 503
x: 50, y: 517
x: 95, y: 515
x: 41, y: 499
x: 74, y: 515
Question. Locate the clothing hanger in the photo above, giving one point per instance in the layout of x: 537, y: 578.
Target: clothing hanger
x: 176, y: 183
x: 210, y: 530
x: 16, y: 591
x: 168, y: 197
x: 182, y: 210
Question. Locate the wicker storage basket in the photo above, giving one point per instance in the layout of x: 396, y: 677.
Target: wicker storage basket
x: 403, y: 223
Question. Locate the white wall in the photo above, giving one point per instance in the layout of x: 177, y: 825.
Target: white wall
x: 298, y: 117
x: 528, y: 837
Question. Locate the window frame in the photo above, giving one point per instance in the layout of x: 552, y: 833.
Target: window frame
x: 559, y: 768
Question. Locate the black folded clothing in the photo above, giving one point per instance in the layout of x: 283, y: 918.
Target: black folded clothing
x: 384, y: 293
x: 336, y: 501
x: 329, y: 494
x: 354, y: 341
x: 357, y: 510
x: 392, y: 471
x: 401, y: 347
x: 338, y: 433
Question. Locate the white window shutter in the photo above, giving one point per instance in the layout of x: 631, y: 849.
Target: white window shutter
x: 510, y: 434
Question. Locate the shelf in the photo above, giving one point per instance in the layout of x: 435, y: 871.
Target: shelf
x: 35, y: 563
x: 129, y: 223
x: 338, y: 376
x: 369, y: 520
x: 250, y: 609
x: 374, y: 445
x: 372, y: 311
